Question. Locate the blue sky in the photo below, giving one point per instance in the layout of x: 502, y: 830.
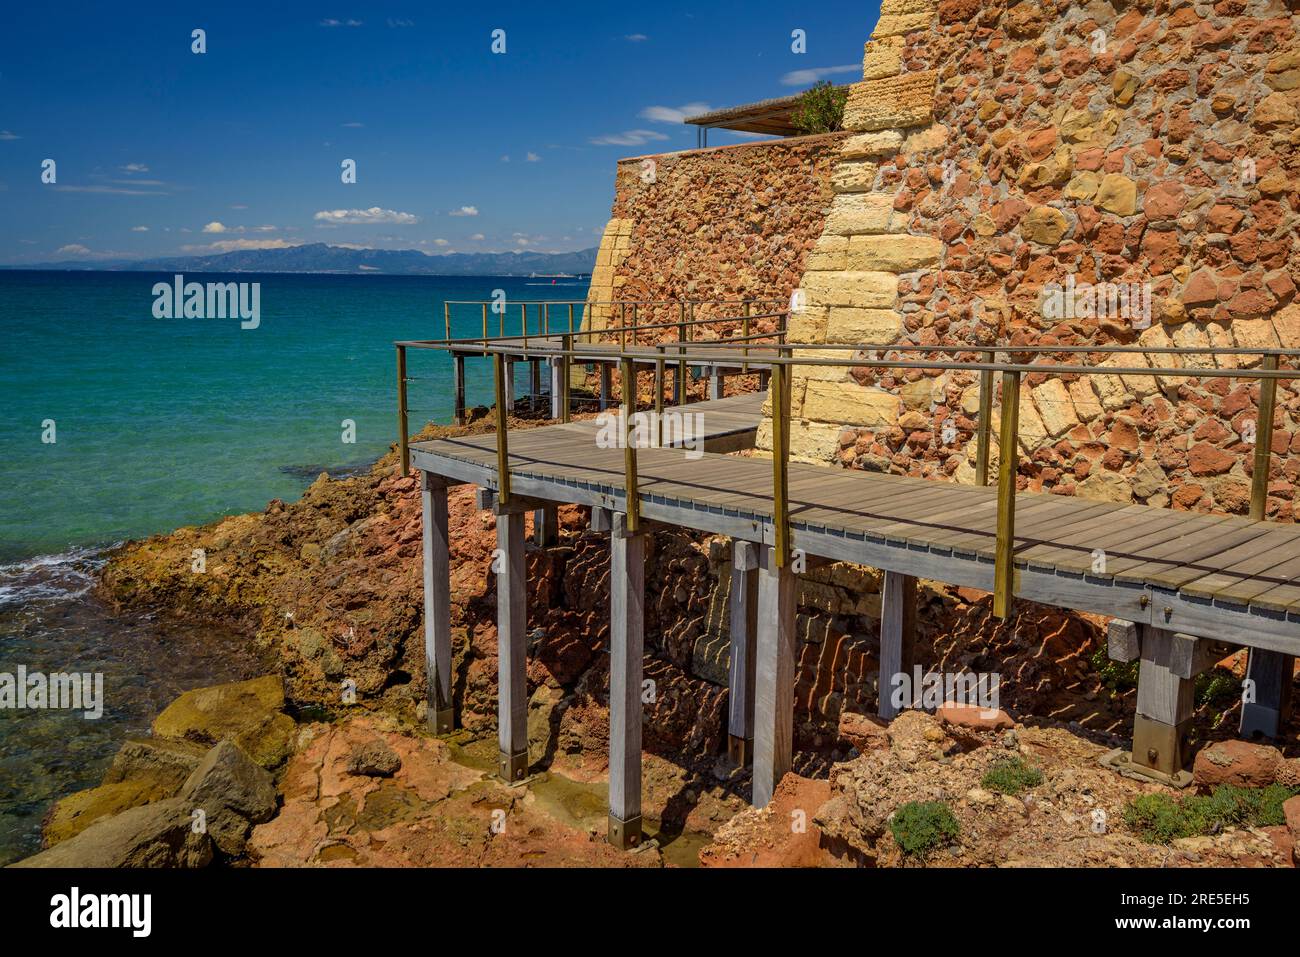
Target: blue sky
x: 160, y: 151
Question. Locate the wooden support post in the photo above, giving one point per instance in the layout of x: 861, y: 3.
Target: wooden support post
x: 534, y: 379
x: 403, y: 426
x: 503, y: 447
x: 604, y: 385
x: 567, y: 344
x: 512, y: 645
x: 1008, y: 457
x: 984, y: 426
x: 510, y: 385
x: 626, y: 653
x: 743, y: 641
x: 715, y: 384
x: 773, y: 677
x: 546, y: 526
x: 1263, y: 443
x: 602, y: 520
x: 659, y: 399
x: 437, y: 604
x: 1269, y: 675
x: 679, y: 387
x: 557, y: 387
x: 897, y: 640
x: 632, y: 495
x: 1164, y: 709
x: 780, y: 462
x: 458, y: 365
x: 446, y: 320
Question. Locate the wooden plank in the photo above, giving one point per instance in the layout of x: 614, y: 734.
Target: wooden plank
x: 897, y: 640
x: 626, y: 656
x: 773, y: 678
x: 512, y: 645
x: 1247, y: 569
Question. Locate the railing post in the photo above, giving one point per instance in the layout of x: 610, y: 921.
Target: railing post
x: 485, y: 307
x: 983, y: 428
x: 680, y: 391
x: 446, y: 319
x: 744, y: 331
x: 659, y: 397
x: 633, y: 503
x: 546, y: 319
x: 622, y: 328
x: 780, y: 454
x: 503, y: 451
x: 566, y: 344
x: 570, y: 318
x: 1263, y: 443
x: 402, y: 425
x: 1004, y: 567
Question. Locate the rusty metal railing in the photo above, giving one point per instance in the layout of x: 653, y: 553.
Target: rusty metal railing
x: 784, y: 357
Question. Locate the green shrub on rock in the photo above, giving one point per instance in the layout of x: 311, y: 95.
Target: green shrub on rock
x: 1011, y: 776
x: 922, y: 826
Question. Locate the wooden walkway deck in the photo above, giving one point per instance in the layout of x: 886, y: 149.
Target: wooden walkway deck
x: 1176, y: 584
x: 1218, y: 577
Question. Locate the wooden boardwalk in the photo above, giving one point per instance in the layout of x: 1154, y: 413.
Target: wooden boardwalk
x: 1179, y: 585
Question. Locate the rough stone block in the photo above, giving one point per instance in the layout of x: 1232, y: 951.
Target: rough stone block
x: 850, y: 324
x: 1055, y: 408
x: 882, y: 56
x: 846, y: 403
x: 893, y: 252
x: 891, y: 102
x: 859, y: 213
x: 867, y: 145
x: 853, y: 176
x: 872, y: 290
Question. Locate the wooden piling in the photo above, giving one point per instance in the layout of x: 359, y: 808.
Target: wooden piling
x: 437, y: 604
x: 743, y: 622
x: 626, y: 655
x: 773, y: 677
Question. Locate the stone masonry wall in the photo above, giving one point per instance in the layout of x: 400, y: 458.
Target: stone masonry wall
x: 999, y: 149
x: 727, y: 223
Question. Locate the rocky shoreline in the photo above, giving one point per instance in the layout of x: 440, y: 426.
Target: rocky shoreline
x: 328, y: 763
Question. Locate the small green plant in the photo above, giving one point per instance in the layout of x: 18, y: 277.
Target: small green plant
x: 921, y: 826
x: 1217, y: 688
x: 1117, y: 676
x: 1011, y: 776
x: 820, y: 109
x: 1160, y: 818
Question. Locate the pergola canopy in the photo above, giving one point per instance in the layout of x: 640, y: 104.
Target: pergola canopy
x: 766, y: 116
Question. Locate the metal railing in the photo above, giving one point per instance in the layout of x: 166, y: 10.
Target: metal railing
x: 783, y: 357
x: 570, y: 320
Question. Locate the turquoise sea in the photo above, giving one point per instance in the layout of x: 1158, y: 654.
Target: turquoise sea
x: 159, y: 423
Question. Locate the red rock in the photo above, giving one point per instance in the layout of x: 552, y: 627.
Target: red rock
x: 1236, y: 762
x: 864, y: 732
x: 1201, y: 289
x: 1291, y: 809
x: 1164, y: 201
x: 1205, y: 459
x: 973, y: 716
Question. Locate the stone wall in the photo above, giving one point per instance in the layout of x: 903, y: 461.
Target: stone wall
x: 998, y: 149
x: 728, y: 223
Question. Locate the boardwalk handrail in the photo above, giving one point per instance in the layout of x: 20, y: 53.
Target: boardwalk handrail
x: 499, y: 307
x: 780, y: 357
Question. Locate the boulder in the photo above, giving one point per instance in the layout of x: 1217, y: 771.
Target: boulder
x: 233, y: 792
x: 251, y: 713
x: 864, y: 732
x: 163, y: 760
x: 154, y: 835
x: 973, y: 716
x: 1236, y: 762
x: 73, y: 814
x: 374, y: 759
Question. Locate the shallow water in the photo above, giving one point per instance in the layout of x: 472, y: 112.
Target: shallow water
x: 51, y: 622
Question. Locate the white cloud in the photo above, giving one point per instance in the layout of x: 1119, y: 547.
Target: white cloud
x: 139, y: 229
x: 231, y: 245
x: 74, y: 249
x: 353, y: 126
x: 478, y: 237
x: 505, y: 159
x: 214, y: 227
x: 399, y: 23
x: 8, y: 135
x: 627, y: 138
x: 132, y: 168
x: 811, y: 76
x: 464, y: 211
x: 340, y: 23
x: 673, y: 114
x: 110, y: 190
x: 532, y: 158
x: 369, y: 216
x: 636, y: 38
x: 441, y: 242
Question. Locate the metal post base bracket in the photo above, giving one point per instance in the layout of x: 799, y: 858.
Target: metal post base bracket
x: 512, y: 767
x: 1159, y: 752
x: 625, y: 835
x: 442, y: 722
x: 740, y: 750
x: 1122, y: 762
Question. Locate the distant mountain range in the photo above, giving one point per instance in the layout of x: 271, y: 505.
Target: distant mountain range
x: 321, y: 257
